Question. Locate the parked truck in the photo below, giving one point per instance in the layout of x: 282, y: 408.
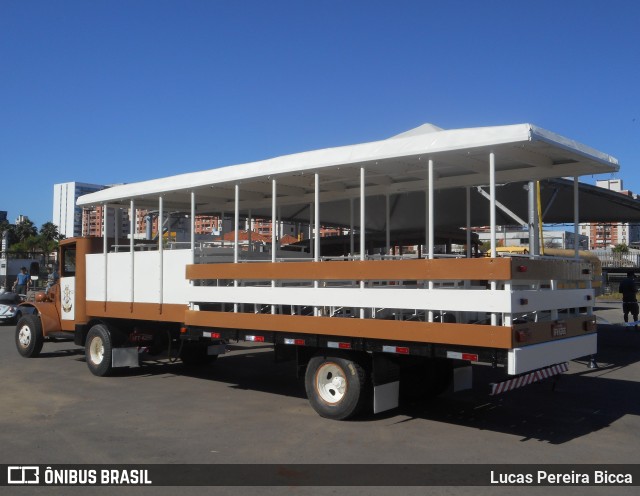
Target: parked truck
x: 367, y: 322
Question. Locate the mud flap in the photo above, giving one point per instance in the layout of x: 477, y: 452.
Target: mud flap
x: 125, y: 357
x: 462, y: 378
x: 386, y: 383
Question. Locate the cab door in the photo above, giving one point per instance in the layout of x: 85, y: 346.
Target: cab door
x: 68, y: 282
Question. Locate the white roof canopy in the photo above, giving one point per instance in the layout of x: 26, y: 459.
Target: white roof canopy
x: 393, y: 166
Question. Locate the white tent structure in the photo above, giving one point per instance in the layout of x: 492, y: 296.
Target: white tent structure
x: 400, y: 177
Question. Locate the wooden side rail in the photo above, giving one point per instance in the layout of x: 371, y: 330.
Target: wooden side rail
x: 490, y: 269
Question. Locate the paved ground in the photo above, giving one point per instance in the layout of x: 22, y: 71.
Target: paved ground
x: 246, y: 409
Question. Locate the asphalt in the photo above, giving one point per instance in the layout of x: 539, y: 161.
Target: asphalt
x: 246, y: 409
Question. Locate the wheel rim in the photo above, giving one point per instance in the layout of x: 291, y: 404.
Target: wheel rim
x: 331, y: 383
x: 96, y: 350
x: 24, y: 336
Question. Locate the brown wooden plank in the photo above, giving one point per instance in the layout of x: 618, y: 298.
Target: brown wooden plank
x: 369, y: 270
x: 422, y: 332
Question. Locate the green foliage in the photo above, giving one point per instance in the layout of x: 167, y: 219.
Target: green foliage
x: 621, y: 248
x: 25, y: 230
x: 49, y: 231
x: 25, y: 240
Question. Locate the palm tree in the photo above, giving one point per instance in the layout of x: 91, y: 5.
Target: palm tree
x: 49, y: 231
x: 25, y: 229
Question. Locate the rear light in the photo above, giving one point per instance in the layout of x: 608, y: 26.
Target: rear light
x: 524, y: 301
x: 183, y: 330
x: 297, y: 342
x: 256, y: 339
x: 522, y: 268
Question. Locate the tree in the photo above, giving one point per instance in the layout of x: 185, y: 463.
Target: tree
x: 25, y: 229
x: 49, y: 231
x: 621, y: 248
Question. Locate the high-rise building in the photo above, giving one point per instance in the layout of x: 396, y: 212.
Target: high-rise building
x: 603, y: 235
x: 66, y: 215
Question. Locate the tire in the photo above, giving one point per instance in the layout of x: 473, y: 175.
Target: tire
x: 98, y: 350
x: 29, y: 338
x: 336, y: 386
x: 194, y: 355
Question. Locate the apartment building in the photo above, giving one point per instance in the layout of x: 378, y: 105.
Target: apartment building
x: 604, y: 235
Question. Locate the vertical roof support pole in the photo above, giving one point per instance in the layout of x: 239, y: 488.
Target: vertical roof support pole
x: 492, y: 217
x: 534, y: 239
x: 249, y: 232
x: 362, y: 227
x: 387, y: 224
x: 236, y: 222
x: 105, y: 248
x: 576, y: 217
x: 273, y: 220
x: 192, y: 222
x: 117, y: 220
x: 492, y: 202
x: 132, y: 230
x: 352, y: 247
x: 161, y: 250
x: 468, y: 200
x: 311, y: 245
x: 431, y: 213
x: 316, y: 225
x: 430, y: 221
x: 316, y: 219
x: 273, y: 232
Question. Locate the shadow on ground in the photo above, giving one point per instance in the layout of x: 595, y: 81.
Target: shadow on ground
x: 578, y: 403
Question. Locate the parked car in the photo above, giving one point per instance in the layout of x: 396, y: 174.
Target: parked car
x: 10, y: 312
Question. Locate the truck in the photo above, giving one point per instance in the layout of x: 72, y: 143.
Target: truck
x: 366, y: 319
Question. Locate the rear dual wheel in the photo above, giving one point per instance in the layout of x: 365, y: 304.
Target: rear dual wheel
x: 337, y: 387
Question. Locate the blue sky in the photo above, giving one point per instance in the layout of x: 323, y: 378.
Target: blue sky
x: 112, y: 91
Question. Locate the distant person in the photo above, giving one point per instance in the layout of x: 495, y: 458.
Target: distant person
x: 52, y: 278
x: 21, y: 285
x: 629, y: 289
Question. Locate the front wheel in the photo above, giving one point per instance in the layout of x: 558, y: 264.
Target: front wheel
x: 336, y: 386
x: 29, y: 338
x: 98, y: 350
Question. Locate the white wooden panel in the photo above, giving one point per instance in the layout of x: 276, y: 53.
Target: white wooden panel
x: 95, y: 277
x: 551, y: 300
x: 147, y: 280
x: 436, y: 299
x: 118, y: 276
x: 176, y: 285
